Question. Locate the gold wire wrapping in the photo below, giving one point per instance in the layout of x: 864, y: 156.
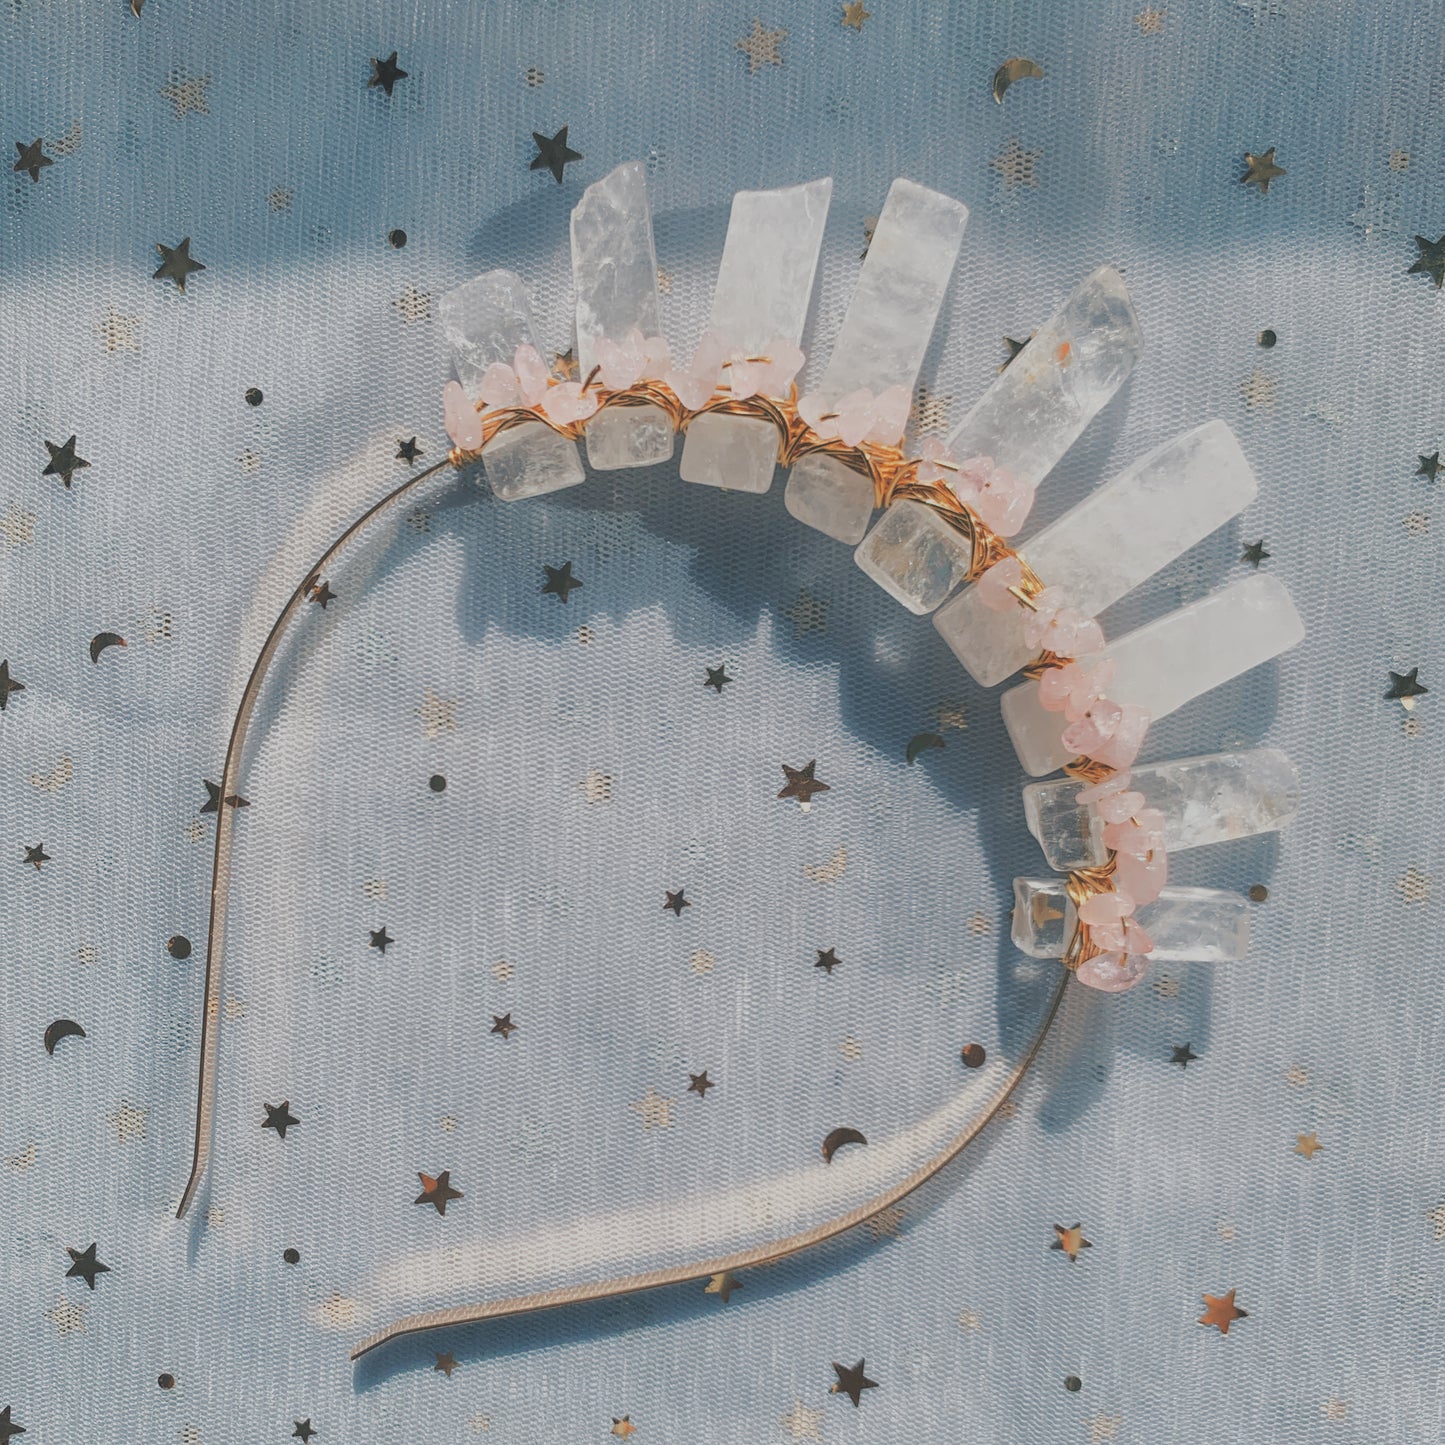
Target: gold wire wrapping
x: 895, y: 479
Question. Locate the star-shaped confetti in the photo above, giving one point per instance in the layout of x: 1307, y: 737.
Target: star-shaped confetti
x: 699, y: 1084
x: 855, y: 15
x: 1071, y: 1241
x: 1260, y: 170
x: 1405, y: 687
x: 502, y: 1024
x: 407, y: 451
x: 9, y: 1426
x: 851, y: 1382
x: 1307, y: 1145
x: 438, y: 714
x: 553, y: 154
x: 8, y: 684
x: 36, y: 855
x: 321, y: 593
x: 1221, y: 1312
x: 1150, y: 21
x: 445, y: 1363
x: 1016, y: 165
x: 722, y: 1284
x: 176, y: 263
x: 717, y: 678
x: 801, y: 1423
x: 188, y: 94
x: 1254, y: 553
x: 304, y: 1429
x: 827, y: 959
x: 676, y: 902
x: 655, y: 1109
x: 623, y: 1428
x: 1013, y: 347
x: 762, y: 47
x: 280, y: 1118
x: 560, y: 581
x: 1431, y: 260
x: 380, y: 939
x: 385, y: 73
x: 413, y: 305
x: 1182, y: 1055
x: 63, y: 461
x: 84, y: 1265
x: 1429, y: 466
x: 436, y: 1190
x: 129, y: 1123
x: 67, y: 1316
x: 213, y: 798
x: 118, y: 332
x: 801, y: 783
x: 32, y: 158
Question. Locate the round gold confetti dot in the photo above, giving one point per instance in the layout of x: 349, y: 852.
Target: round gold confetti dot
x: 253, y: 396
x: 291, y: 1256
x: 437, y: 783
x: 973, y: 1055
x: 178, y: 946
x: 397, y: 239
x: 166, y: 1382
x: 1072, y: 1383
x: 1267, y: 338
x: 1258, y: 893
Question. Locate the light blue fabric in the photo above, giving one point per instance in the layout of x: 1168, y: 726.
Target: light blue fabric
x: 198, y: 513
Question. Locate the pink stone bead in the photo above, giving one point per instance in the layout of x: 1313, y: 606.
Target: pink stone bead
x: 1001, y: 500
x: 855, y: 417
x: 568, y: 403
x: 532, y: 373
x: 1041, y: 616
x: 499, y: 386
x: 1094, y: 729
x: 1139, y: 835
x: 463, y: 424
x: 1119, y: 807
x: 1127, y: 738
x: 890, y: 415
x: 785, y: 361
x: 1112, y: 972
x: 1097, y: 792
x: 1143, y: 879
x: 1103, y: 910
x: 1074, y: 688
x: 993, y: 592
x: 813, y: 408
x: 931, y: 453
x: 621, y: 364
x: 694, y: 385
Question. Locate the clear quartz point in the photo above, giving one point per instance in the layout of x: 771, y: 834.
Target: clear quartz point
x: 1210, y: 799
x: 486, y: 320
x: 1113, y: 540
x: 1199, y: 925
x: 764, y: 285
x: 1025, y: 422
x: 882, y: 341
x: 614, y: 275
x: 1168, y: 662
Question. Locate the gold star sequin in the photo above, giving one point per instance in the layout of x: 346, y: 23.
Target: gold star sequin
x: 337, y: 1311
x: 1417, y: 524
x: 250, y: 461
x: 1261, y: 170
x: 188, y: 95
x: 723, y: 1285
x: 655, y: 1110
x: 761, y: 47
x: 970, y: 1320
x: 1414, y: 886
x: 1297, y: 1076
x: 1334, y: 1409
x: 129, y: 1123
x: 1104, y: 1427
x: 831, y: 871
x: 855, y: 15
x: 1220, y: 1311
x: 597, y: 787
x: 702, y: 962
x: 801, y: 1423
x: 664, y: 281
x: 67, y: 1316
x: 1016, y: 165
x: 118, y: 332
x: 1070, y: 1241
x: 28, y: 1155
x: 17, y: 526
x: 624, y: 1429
x: 437, y: 714
x: 413, y: 305
x: 851, y: 1049
x: 1258, y: 389
x: 1398, y: 160
x: 1150, y: 21
x: 1307, y: 1145
x: 980, y: 923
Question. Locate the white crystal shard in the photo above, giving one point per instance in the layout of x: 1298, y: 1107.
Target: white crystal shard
x: 764, y: 285
x: 614, y: 273
x: 1116, y: 538
x: 1164, y: 664
x: 1210, y: 799
x: 1025, y: 421
x: 486, y: 320
x: 882, y: 341
x: 1200, y: 925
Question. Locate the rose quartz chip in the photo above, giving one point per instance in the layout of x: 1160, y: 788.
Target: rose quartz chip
x: 1094, y: 729
x: 695, y: 385
x: 1143, y: 879
x: 568, y: 403
x: 1001, y: 500
x: 463, y: 424
x: 1074, y: 688
x: 1139, y: 835
x: 1112, y: 972
x: 1127, y: 738
x: 993, y: 586
x: 931, y: 456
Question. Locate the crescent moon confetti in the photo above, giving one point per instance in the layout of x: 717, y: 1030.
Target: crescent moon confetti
x: 61, y: 1029
x: 101, y: 641
x: 837, y: 1139
x: 1019, y: 68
